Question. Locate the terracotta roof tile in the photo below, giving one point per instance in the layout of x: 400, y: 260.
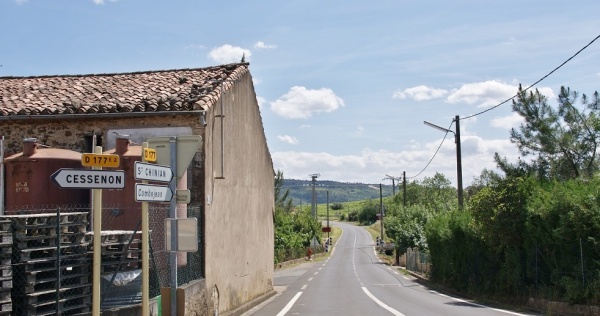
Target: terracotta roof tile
x: 151, y: 91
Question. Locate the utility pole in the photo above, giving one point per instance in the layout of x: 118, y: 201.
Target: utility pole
x: 458, y: 155
x: 314, y: 177
x: 381, y: 215
x: 387, y: 176
x: 328, y: 214
x: 404, y: 186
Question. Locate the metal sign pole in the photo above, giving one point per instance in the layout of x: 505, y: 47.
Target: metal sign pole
x: 145, y: 252
x: 97, y: 211
x: 173, y: 212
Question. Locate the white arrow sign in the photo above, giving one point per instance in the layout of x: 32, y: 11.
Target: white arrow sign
x: 152, y: 193
x: 89, y: 179
x: 147, y: 171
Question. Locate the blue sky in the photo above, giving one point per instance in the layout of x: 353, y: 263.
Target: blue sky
x: 343, y: 86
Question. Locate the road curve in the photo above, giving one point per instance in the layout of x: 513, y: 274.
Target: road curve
x: 353, y: 281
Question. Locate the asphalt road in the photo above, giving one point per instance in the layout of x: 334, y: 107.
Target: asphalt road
x: 352, y: 281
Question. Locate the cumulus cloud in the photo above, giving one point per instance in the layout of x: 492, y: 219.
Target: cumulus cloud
x: 369, y: 166
x: 507, y: 122
x: 229, y: 54
x: 262, y: 45
x: 260, y: 101
x: 483, y: 94
x: 302, y: 103
x: 101, y: 2
x: 419, y: 93
x: 288, y: 139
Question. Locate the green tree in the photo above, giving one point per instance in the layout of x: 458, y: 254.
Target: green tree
x: 563, y: 141
x: 294, y: 228
x: 282, y: 200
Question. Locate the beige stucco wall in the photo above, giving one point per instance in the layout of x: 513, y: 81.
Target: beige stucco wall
x: 238, y: 204
x: 239, y: 230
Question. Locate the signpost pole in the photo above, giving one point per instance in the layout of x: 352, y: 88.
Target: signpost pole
x: 145, y: 252
x: 173, y: 213
x: 97, y: 215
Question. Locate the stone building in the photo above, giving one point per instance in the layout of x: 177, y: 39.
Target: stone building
x: 230, y: 178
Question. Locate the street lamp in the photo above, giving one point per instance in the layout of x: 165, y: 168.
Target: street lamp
x: 387, y: 176
x: 458, y: 157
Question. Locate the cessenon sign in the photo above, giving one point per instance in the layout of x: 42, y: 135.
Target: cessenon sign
x: 89, y: 179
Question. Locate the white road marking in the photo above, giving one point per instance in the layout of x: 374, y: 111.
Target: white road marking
x: 289, y: 305
x: 478, y: 305
x: 382, y: 304
x: 304, y: 287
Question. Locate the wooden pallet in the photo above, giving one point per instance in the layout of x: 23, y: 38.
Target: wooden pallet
x: 127, y: 264
x: 5, y: 225
x: 27, y: 221
x: 43, y: 297
x: 116, y: 236
x: 6, y: 282
x: 44, y: 264
x: 26, y: 242
x: 48, y: 253
x: 52, y: 283
x: 6, y: 305
x: 70, y: 306
x: 6, y: 239
x: 6, y: 270
x: 49, y: 273
x: 6, y: 250
x: 44, y: 232
x: 5, y: 294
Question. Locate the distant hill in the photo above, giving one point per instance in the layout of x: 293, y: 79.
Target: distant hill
x: 301, y: 191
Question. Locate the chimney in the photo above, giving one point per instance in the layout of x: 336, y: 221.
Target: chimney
x: 122, y: 145
x: 29, y: 146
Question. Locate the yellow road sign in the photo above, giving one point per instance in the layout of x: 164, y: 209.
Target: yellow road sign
x: 100, y: 160
x: 150, y: 154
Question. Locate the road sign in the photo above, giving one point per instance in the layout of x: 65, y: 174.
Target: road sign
x: 186, y: 145
x: 150, y: 154
x: 146, y: 171
x: 100, y: 160
x: 152, y: 193
x: 326, y: 229
x: 183, y: 196
x: 187, y: 234
x: 89, y: 179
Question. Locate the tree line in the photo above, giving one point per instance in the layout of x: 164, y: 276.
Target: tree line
x: 531, y: 230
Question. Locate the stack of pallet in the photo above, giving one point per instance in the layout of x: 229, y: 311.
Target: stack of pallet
x: 5, y: 267
x: 121, y: 250
x: 51, y: 270
x: 120, y: 267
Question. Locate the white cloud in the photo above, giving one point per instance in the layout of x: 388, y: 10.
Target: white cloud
x: 507, y: 122
x: 229, y: 54
x: 262, y: 45
x: 301, y: 103
x: 419, y: 93
x: 370, y: 166
x: 360, y: 130
x: 260, y: 101
x: 21, y: 1
x: 484, y: 94
x: 288, y: 139
x: 101, y: 2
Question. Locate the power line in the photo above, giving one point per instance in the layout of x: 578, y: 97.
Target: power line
x: 535, y: 83
x: 503, y: 102
x: 434, y: 154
